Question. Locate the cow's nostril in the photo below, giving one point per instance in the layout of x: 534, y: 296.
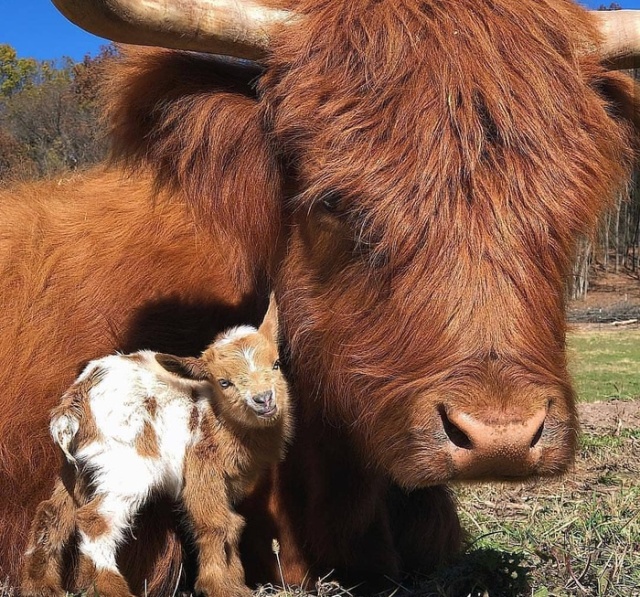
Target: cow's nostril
x: 538, y: 434
x: 457, y: 437
x: 509, y: 444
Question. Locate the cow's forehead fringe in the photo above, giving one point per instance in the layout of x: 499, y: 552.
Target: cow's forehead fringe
x: 471, y: 139
x: 434, y: 102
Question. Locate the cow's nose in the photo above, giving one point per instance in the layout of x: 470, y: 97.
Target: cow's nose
x: 506, y: 446
x: 264, y: 398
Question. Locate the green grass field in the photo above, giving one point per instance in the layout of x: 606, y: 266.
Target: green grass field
x: 605, y: 364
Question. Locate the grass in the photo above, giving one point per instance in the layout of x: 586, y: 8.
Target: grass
x: 606, y: 364
x: 576, y: 537
x: 573, y: 537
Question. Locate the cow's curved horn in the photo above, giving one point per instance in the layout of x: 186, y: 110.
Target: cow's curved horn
x: 621, y: 34
x: 237, y: 28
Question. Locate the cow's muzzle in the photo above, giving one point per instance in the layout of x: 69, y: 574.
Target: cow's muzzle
x: 510, y: 446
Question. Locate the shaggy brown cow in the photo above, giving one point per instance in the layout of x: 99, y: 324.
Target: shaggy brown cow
x: 410, y: 176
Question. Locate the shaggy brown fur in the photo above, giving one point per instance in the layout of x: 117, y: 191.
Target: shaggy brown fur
x: 416, y: 174
x: 79, y: 268
x: 243, y: 427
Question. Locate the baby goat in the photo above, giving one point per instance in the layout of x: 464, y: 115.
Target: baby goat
x: 199, y: 429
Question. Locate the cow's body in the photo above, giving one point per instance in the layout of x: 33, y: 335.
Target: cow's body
x: 412, y: 177
x: 82, y: 239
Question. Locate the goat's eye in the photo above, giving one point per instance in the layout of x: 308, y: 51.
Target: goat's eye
x: 276, y: 365
x: 224, y: 383
x: 330, y: 202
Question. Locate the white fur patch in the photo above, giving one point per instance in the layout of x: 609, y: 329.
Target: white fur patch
x: 119, y: 406
x: 248, y: 354
x: 101, y: 551
x: 235, y: 334
x: 63, y: 429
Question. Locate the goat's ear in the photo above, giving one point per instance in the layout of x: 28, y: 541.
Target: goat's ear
x: 185, y: 367
x: 269, y: 325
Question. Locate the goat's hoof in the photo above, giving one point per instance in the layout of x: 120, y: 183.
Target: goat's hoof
x: 214, y: 589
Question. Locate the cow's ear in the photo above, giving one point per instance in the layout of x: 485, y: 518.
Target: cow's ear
x: 195, y: 124
x: 621, y: 94
x: 185, y: 367
x: 269, y: 325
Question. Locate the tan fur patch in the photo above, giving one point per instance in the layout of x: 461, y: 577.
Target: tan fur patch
x: 75, y: 402
x: 147, y: 442
x: 86, y: 572
x: 194, y: 419
x: 151, y: 404
x: 95, y: 377
x: 90, y: 521
x: 100, y: 582
x: 51, y: 529
x: 110, y: 583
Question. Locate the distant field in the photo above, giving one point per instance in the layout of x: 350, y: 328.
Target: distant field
x: 605, y: 363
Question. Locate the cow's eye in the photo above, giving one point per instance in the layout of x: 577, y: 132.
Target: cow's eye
x: 276, y: 365
x: 330, y: 202
x: 225, y: 383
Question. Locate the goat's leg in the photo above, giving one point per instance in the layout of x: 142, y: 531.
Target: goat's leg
x: 51, y: 529
x: 216, y: 528
x: 102, y: 523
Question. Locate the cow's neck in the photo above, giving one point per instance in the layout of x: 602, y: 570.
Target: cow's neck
x: 334, y: 499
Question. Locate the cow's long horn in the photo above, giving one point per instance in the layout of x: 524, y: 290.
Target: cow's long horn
x: 237, y: 28
x: 621, y: 34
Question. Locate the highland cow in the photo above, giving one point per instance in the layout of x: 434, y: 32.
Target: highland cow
x: 410, y: 177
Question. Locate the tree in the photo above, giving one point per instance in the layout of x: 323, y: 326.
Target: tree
x: 49, y: 115
x: 87, y: 74
x: 15, y: 73
x: 612, y: 6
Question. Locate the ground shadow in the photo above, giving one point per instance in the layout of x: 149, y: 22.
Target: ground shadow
x: 476, y: 573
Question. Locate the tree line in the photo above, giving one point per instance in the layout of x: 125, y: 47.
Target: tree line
x: 50, y: 123
x: 49, y: 117
x: 615, y: 246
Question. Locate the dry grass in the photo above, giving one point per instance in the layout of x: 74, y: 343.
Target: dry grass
x: 6, y: 590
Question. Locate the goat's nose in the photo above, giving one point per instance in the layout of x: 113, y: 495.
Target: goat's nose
x: 264, y: 398
x: 505, y: 446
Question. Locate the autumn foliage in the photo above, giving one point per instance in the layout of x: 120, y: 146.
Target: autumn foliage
x: 48, y: 115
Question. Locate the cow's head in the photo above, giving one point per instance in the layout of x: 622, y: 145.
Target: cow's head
x: 432, y: 165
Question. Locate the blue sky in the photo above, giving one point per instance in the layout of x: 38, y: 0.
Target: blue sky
x: 36, y: 29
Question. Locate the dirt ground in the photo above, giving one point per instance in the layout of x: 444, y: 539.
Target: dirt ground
x: 611, y: 297
x: 608, y: 417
